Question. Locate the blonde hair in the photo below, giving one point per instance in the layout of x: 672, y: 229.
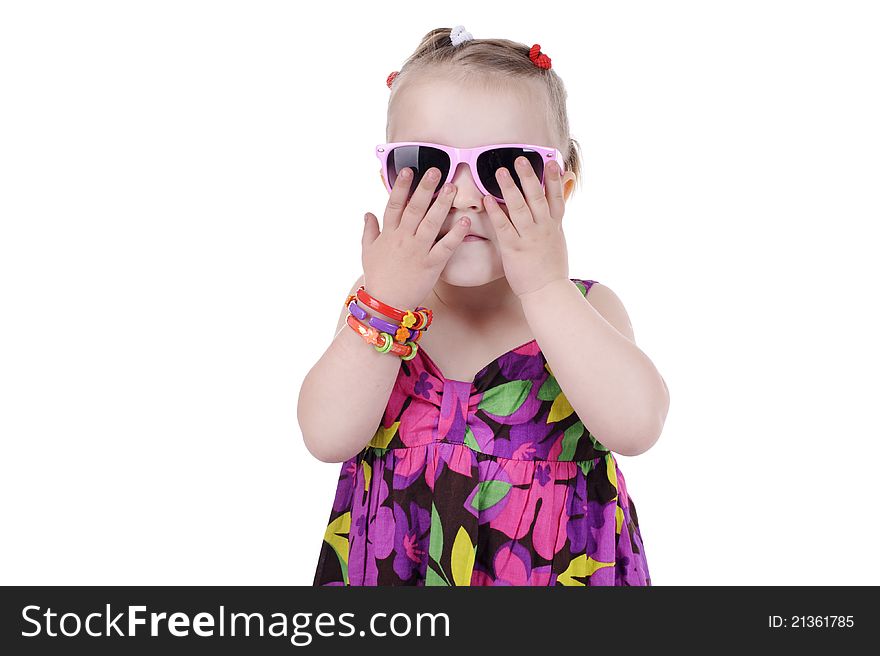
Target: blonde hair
x: 494, y: 64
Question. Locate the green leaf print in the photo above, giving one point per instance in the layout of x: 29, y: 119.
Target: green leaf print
x: 597, y: 444
x: 435, y: 550
x: 550, y: 389
x: 433, y: 578
x: 505, y: 399
x: 489, y: 493
x: 570, y: 441
x: 470, y: 440
x: 435, y: 546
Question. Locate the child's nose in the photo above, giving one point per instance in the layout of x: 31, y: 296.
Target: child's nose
x: 467, y: 192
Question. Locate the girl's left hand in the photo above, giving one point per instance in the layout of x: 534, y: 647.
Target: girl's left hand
x: 531, y: 240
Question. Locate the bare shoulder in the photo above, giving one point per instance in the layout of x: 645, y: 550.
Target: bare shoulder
x: 609, y: 305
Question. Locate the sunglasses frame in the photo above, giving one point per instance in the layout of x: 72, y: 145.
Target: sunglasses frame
x: 469, y: 156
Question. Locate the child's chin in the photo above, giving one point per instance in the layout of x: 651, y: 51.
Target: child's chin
x: 463, y: 273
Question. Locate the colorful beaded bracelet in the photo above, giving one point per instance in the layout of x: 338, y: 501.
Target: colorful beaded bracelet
x: 400, y: 333
x: 354, y: 308
x: 418, y: 319
x: 382, y: 342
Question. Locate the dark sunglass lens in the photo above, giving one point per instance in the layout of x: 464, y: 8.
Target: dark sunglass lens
x: 492, y: 160
x: 419, y: 159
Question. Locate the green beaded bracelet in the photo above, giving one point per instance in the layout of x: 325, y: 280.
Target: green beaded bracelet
x: 412, y: 353
x: 389, y: 342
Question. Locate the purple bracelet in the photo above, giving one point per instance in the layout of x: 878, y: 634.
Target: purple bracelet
x: 376, y: 322
x: 357, y: 310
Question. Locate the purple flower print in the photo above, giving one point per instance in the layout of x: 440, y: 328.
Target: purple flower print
x: 631, y: 567
x: 542, y: 473
x: 585, y: 521
x: 513, y: 566
x: 411, y: 534
x: 345, y: 487
x: 524, y: 364
x: 371, y: 536
x: 423, y: 386
x: 538, y: 433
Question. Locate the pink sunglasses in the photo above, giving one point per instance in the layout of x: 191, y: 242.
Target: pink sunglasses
x: 483, y: 161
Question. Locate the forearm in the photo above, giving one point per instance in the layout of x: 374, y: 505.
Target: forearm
x: 343, y: 397
x: 609, y: 381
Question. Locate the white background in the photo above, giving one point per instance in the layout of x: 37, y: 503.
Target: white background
x: 182, y: 186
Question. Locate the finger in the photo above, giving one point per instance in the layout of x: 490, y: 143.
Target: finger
x: 504, y: 229
x: 430, y: 226
x: 517, y: 208
x: 444, y: 248
x: 533, y: 192
x: 421, y: 198
x: 397, y: 200
x: 371, y: 229
x: 553, y: 187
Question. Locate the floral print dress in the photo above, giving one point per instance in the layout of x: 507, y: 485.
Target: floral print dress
x: 491, y: 482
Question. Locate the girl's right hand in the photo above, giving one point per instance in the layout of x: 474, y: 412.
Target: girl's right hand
x: 402, y: 263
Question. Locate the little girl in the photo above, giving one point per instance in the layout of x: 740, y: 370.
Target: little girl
x: 486, y: 391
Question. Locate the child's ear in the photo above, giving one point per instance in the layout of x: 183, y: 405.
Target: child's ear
x: 568, y: 180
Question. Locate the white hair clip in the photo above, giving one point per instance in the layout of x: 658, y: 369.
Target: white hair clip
x: 459, y: 35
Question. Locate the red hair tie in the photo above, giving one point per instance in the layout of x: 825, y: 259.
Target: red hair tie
x: 539, y: 58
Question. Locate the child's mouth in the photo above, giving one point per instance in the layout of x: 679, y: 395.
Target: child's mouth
x: 470, y: 237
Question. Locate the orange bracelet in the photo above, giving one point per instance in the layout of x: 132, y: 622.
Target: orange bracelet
x: 418, y: 319
x: 382, y: 342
